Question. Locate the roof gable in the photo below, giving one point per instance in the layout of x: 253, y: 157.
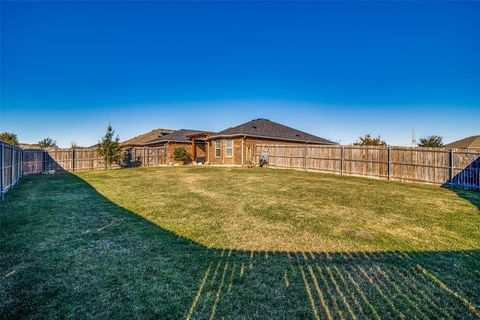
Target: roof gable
x: 468, y: 142
x: 265, y: 128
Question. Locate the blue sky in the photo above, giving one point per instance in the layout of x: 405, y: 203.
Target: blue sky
x: 335, y: 69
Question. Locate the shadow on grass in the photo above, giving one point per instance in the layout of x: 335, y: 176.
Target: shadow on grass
x: 467, y: 179
x: 67, y: 251
x: 473, y: 197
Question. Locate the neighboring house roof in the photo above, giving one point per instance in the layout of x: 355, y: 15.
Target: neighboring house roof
x: 35, y: 146
x: 472, y: 142
x: 264, y: 128
x: 182, y: 135
x: 29, y: 146
x: 146, y: 137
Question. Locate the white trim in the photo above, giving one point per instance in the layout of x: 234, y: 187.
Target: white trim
x: 215, y: 148
x: 227, y: 148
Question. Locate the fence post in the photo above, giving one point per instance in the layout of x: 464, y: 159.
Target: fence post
x: 18, y: 164
x: 21, y: 164
x: 450, y: 166
x: 2, y: 171
x: 12, y: 154
x: 44, y: 160
x: 144, y: 158
x: 305, y: 159
x: 342, y: 151
x: 73, y: 159
x: 389, y: 163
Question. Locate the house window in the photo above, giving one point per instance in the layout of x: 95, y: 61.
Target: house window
x: 218, y: 150
x: 229, y: 148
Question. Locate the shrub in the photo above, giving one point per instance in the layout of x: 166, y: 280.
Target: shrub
x: 48, y: 143
x: 9, y: 137
x: 368, y: 140
x: 431, y: 142
x: 180, y: 154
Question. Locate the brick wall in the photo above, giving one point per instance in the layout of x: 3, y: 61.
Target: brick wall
x: 171, y: 148
x: 248, y: 150
x: 236, y: 159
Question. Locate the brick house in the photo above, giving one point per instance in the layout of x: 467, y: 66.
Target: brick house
x: 194, y: 141
x: 235, y: 146
x: 232, y: 146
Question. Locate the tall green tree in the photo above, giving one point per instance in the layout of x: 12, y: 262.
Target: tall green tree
x: 48, y: 143
x: 9, y: 137
x: 368, y: 140
x: 109, y: 147
x: 431, y: 142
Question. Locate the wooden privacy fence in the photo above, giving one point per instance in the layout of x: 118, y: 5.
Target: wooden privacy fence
x: 37, y: 161
x: 454, y: 167
x: 16, y: 162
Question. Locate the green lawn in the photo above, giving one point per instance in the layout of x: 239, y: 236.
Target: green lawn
x: 205, y: 242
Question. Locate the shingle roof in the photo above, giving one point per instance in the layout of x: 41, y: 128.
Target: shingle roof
x: 177, y: 136
x: 465, y: 143
x: 264, y: 128
x: 146, y: 137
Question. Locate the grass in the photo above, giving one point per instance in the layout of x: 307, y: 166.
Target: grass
x: 203, y: 242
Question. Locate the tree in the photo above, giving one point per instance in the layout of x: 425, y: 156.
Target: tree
x: 48, y: 143
x: 109, y: 148
x: 180, y: 154
x: 431, y: 142
x: 9, y: 137
x: 368, y: 140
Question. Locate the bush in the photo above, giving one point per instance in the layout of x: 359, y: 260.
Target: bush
x: 431, y: 142
x: 368, y: 140
x: 180, y: 154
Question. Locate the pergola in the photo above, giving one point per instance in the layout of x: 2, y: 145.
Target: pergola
x: 199, y: 137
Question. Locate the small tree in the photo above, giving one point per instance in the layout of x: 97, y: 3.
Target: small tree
x: 368, y: 140
x: 48, y: 143
x: 180, y: 154
x: 109, y: 147
x: 9, y: 137
x: 431, y: 142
